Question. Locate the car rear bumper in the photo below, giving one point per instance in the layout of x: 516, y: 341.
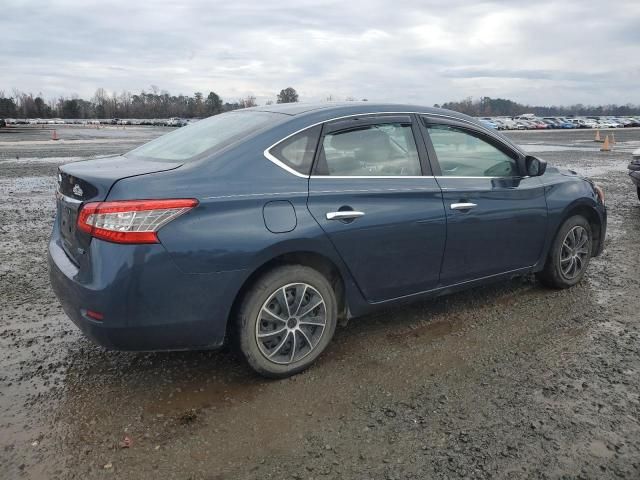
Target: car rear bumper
x: 147, y: 303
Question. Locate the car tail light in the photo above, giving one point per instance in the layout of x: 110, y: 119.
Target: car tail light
x: 131, y: 221
x: 94, y: 315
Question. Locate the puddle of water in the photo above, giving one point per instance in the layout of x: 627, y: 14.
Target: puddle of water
x: 198, y: 395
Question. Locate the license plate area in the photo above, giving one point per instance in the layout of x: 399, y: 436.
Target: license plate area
x: 68, y: 213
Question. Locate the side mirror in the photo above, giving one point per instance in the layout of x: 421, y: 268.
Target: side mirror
x: 534, y: 166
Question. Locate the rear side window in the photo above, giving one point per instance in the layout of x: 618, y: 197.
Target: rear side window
x: 297, y: 151
x: 387, y: 149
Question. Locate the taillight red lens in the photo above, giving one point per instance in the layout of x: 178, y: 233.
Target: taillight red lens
x: 131, y: 221
x: 94, y: 315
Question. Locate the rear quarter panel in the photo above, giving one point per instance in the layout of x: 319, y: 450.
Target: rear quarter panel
x: 227, y: 230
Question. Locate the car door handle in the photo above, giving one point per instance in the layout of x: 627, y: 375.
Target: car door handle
x: 344, y: 215
x: 463, y: 206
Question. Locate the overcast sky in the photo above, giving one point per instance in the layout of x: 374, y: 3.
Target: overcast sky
x: 537, y: 52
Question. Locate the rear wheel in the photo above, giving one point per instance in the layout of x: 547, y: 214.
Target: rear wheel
x: 569, y: 255
x: 286, y: 320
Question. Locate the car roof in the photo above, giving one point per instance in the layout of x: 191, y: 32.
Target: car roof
x: 335, y: 109
x: 313, y: 113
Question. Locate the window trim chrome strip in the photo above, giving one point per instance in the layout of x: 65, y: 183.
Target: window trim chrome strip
x: 269, y: 156
x: 329, y: 177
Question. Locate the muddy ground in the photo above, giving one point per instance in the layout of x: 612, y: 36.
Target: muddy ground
x: 507, y: 381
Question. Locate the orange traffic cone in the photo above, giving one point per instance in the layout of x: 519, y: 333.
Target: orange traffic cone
x: 597, y: 139
x: 605, y: 146
x: 54, y: 136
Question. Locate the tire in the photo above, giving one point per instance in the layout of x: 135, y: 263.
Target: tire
x: 564, y: 253
x: 638, y: 191
x: 279, y: 344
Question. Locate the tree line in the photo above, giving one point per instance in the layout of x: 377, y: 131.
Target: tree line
x: 500, y: 107
x: 155, y: 103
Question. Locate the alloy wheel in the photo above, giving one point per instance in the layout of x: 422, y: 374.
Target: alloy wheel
x: 574, y: 252
x: 291, y: 323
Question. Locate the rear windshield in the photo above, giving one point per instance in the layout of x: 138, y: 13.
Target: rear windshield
x: 206, y: 136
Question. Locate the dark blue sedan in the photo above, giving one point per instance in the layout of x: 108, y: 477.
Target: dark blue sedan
x: 268, y: 225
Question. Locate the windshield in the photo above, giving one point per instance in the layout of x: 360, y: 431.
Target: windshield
x: 206, y: 136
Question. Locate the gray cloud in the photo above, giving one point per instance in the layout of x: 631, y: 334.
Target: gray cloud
x: 542, y: 52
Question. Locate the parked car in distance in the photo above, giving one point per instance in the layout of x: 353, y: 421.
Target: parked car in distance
x: 175, y: 122
x: 607, y: 123
x: 551, y: 123
x: 268, y: 225
x: 508, y: 123
x: 564, y: 123
x: 489, y: 123
x: 534, y: 124
x: 579, y: 123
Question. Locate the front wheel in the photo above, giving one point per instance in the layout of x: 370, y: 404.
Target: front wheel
x: 569, y: 254
x: 286, y: 320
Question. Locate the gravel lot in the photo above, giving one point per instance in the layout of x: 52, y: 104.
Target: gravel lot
x: 508, y: 381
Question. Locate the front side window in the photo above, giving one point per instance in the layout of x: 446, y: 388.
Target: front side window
x: 387, y: 149
x: 461, y: 154
x: 297, y: 151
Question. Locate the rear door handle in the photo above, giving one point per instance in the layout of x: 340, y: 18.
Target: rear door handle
x: 344, y: 215
x: 463, y: 206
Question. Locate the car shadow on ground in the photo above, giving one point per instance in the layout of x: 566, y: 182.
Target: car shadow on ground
x: 212, y: 377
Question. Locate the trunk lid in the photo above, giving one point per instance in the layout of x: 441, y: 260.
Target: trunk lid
x: 91, y: 181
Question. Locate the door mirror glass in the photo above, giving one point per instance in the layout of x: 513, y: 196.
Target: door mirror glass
x: 534, y: 166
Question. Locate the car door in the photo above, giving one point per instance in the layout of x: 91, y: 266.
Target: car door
x: 496, y: 216
x: 384, y: 217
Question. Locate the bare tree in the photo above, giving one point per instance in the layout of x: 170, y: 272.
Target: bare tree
x: 248, y: 101
x: 125, y: 103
